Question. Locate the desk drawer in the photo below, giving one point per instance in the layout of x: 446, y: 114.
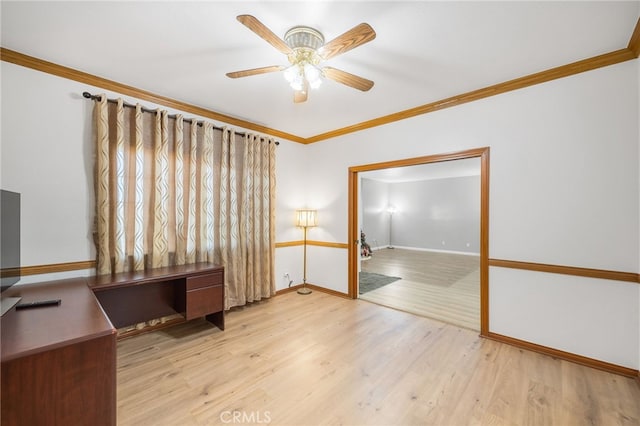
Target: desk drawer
x: 206, y: 280
x: 204, y: 301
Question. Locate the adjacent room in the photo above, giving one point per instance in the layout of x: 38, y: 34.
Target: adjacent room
x: 320, y: 212
x: 421, y: 240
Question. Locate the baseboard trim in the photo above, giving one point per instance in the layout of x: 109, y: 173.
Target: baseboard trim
x: 567, y: 356
x: 465, y: 253
x: 288, y: 290
x: 329, y: 291
x: 313, y: 287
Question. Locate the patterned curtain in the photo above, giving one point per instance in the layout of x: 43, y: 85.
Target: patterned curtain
x: 171, y: 192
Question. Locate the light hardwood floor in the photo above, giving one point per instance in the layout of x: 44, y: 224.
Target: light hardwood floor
x: 443, y: 286
x: 322, y: 359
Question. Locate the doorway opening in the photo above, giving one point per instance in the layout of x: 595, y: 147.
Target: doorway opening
x: 386, y: 241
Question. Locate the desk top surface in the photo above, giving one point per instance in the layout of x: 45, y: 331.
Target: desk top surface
x: 78, y: 318
x: 105, y: 282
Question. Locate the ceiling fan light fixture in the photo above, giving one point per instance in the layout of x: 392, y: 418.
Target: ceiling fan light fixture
x: 291, y: 73
x: 299, y: 73
x: 304, y: 37
x: 297, y: 85
x: 315, y: 84
x: 294, y: 77
x: 305, y: 49
x: 313, y: 75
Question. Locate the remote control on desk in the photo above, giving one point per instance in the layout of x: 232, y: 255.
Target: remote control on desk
x: 38, y: 304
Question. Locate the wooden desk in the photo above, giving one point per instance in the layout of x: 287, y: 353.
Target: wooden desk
x: 194, y: 290
x: 58, y: 362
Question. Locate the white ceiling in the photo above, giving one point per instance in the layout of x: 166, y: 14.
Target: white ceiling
x: 424, y: 51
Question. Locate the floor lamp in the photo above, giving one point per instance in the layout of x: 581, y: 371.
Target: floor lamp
x: 391, y: 210
x: 306, y: 218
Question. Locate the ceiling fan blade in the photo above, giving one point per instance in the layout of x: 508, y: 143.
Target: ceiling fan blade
x: 347, y: 79
x: 300, y: 96
x: 356, y: 36
x: 254, y: 71
x: 259, y: 28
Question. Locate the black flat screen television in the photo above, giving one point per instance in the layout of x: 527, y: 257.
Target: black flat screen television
x: 9, y: 244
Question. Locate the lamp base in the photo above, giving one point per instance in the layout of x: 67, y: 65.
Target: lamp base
x: 304, y: 290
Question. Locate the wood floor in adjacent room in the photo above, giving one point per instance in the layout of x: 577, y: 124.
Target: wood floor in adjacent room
x: 443, y: 286
x: 322, y: 359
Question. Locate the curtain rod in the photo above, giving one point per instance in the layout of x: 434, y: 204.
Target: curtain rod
x: 88, y: 95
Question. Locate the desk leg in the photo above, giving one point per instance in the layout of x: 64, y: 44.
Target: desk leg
x: 216, y: 319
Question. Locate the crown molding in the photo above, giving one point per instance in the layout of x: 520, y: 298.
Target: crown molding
x: 632, y: 51
x: 589, y: 64
x: 83, y: 77
x: 634, y: 42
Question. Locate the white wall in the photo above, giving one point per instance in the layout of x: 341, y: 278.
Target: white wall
x: 433, y: 214
x: 437, y: 214
x: 46, y: 158
x: 563, y: 190
x: 290, y: 195
x: 584, y: 313
x: 375, y: 219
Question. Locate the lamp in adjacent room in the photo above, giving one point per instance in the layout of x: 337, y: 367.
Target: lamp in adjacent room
x: 306, y: 218
x: 391, y: 210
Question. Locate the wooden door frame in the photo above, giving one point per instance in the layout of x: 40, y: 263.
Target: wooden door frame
x: 354, y: 236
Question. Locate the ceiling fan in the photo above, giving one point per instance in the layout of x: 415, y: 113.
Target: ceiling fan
x: 305, y: 49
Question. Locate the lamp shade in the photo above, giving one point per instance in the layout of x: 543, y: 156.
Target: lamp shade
x: 306, y: 218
